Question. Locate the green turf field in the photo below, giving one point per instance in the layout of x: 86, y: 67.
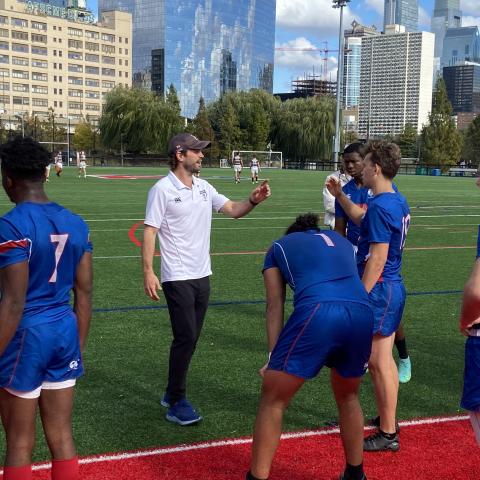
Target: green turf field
x: 117, y: 405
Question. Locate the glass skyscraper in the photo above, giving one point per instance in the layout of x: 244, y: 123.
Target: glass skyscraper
x: 460, y: 45
x: 446, y: 14
x: 203, y: 47
x: 463, y: 87
x: 401, y: 12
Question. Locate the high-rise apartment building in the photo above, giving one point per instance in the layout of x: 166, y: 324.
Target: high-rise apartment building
x: 446, y: 14
x: 60, y: 58
x: 203, y: 47
x: 352, y: 62
x: 395, y: 82
x: 460, y: 45
x: 401, y: 12
x: 463, y: 87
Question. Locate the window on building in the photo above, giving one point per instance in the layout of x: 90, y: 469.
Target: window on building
x: 19, y: 22
x: 5, y: 86
x: 75, y: 55
x: 75, y: 93
x: 92, y: 107
x: 40, y: 25
x: 20, y: 61
x: 75, y: 105
x: 21, y: 101
x: 72, y: 43
x: 3, y: 20
x: 20, y: 74
x: 91, y: 82
x: 72, y: 67
x: 39, y: 50
x: 4, y: 32
x: 76, y: 32
x: 108, y: 84
x: 107, y: 37
x: 40, y: 76
x: 20, y: 47
x: 92, y: 70
x: 39, y: 102
x: 93, y: 47
x: 20, y: 87
x: 92, y: 94
x: 75, y: 80
x: 92, y: 57
x: 91, y: 34
x: 109, y: 60
x: 108, y: 49
x: 4, y: 45
x: 36, y: 37
x: 108, y: 71
x: 19, y: 35
x: 40, y: 89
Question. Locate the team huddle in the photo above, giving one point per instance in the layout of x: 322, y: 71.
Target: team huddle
x: 348, y: 298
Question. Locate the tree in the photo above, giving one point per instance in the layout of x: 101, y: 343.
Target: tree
x: 441, y: 141
x: 172, y: 101
x: 202, y: 129
x: 408, y: 141
x: 471, y: 147
x: 229, y: 128
x: 84, y: 137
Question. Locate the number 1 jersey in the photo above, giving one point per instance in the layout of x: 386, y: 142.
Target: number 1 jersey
x: 52, y: 240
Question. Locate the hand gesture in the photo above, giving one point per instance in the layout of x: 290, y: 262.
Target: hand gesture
x: 470, y: 308
x: 261, y: 193
x: 152, y: 286
x: 334, y: 186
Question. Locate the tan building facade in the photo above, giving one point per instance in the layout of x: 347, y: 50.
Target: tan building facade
x: 53, y: 57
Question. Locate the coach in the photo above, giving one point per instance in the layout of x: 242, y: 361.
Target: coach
x: 179, y: 210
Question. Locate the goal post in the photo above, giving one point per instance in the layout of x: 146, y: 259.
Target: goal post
x: 266, y: 158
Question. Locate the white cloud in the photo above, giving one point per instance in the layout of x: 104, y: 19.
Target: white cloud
x: 470, y: 7
x: 295, y: 57
x: 315, y: 17
x: 468, y: 21
x: 376, y: 5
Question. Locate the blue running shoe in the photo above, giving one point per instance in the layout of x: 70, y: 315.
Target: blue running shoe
x: 183, y: 413
x: 165, y: 401
x: 404, y: 370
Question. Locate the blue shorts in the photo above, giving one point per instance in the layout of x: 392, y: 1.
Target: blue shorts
x: 471, y: 375
x: 387, y: 300
x: 47, y: 352
x: 335, y: 334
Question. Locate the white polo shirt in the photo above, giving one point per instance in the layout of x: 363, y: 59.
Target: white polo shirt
x: 183, y: 216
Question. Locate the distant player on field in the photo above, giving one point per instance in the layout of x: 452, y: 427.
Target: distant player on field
x: 383, y: 230
x: 45, y: 253
x: 331, y: 325
x: 254, y: 169
x: 470, y: 326
x: 58, y: 164
x: 237, y: 167
x: 82, y: 165
x: 360, y: 195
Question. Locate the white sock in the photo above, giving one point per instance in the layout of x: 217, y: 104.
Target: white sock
x: 475, y: 421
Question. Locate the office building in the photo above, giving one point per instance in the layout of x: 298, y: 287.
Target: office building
x: 460, y: 45
x: 203, y: 47
x: 446, y: 14
x: 55, y: 57
x: 395, y: 82
x: 352, y: 62
x: 463, y: 87
x: 401, y: 12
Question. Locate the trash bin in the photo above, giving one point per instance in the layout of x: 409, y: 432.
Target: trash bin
x: 436, y: 172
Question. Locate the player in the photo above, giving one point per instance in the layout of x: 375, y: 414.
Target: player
x: 237, y: 167
x: 47, y: 172
x: 331, y: 325
x: 58, y: 164
x: 254, y: 169
x: 383, y: 230
x: 470, y: 326
x: 45, y: 253
x: 329, y: 199
x: 82, y: 165
x: 360, y: 195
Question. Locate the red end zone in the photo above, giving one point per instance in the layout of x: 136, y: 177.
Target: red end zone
x: 439, y: 448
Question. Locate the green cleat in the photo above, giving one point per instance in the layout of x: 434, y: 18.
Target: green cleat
x: 404, y: 370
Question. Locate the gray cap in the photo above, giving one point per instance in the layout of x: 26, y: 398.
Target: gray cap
x: 185, y: 141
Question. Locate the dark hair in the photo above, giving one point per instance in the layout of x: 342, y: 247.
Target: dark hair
x: 24, y: 159
x: 384, y: 154
x: 304, y: 222
x: 355, y: 147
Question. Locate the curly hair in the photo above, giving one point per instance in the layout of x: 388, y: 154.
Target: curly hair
x: 384, y: 154
x: 304, y: 222
x: 24, y: 159
x: 356, y: 147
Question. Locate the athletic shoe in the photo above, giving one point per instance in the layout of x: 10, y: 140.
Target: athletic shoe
x: 343, y: 477
x: 165, y: 401
x: 376, y: 423
x: 183, y: 413
x: 378, y: 442
x: 404, y: 370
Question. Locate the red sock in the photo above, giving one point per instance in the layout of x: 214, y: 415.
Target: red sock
x: 17, y: 473
x: 65, y: 469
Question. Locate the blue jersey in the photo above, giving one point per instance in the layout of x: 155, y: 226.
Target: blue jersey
x: 52, y: 240
x: 359, y: 196
x: 318, y: 266
x: 386, y: 221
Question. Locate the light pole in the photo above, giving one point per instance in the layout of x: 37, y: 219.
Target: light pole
x: 341, y: 51
x: 20, y: 117
x: 120, y: 117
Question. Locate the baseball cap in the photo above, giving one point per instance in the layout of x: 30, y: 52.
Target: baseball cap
x: 185, y: 141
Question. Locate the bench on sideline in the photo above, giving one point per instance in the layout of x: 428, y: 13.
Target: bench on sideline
x: 463, y: 172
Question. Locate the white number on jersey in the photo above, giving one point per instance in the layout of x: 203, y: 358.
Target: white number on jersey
x: 61, y: 241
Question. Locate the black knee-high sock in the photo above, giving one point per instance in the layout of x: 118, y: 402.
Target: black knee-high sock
x: 251, y: 477
x: 354, y: 472
x: 401, y: 346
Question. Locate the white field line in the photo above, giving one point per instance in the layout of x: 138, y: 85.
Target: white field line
x: 237, y: 441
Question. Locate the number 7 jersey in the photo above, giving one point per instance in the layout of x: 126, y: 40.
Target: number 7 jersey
x: 52, y: 240
x: 386, y: 221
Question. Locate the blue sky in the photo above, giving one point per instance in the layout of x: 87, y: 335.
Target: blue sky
x: 311, y: 23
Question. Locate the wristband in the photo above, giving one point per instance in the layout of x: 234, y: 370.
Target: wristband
x: 252, y: 203
x: 478, y: 243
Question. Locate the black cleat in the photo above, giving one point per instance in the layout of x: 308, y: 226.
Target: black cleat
x: 375, y: 422
x: 377, y: 442
x: 343, y: 477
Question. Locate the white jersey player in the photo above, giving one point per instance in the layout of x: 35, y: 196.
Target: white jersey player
x: 237, y: 167
x: 254, y: 169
